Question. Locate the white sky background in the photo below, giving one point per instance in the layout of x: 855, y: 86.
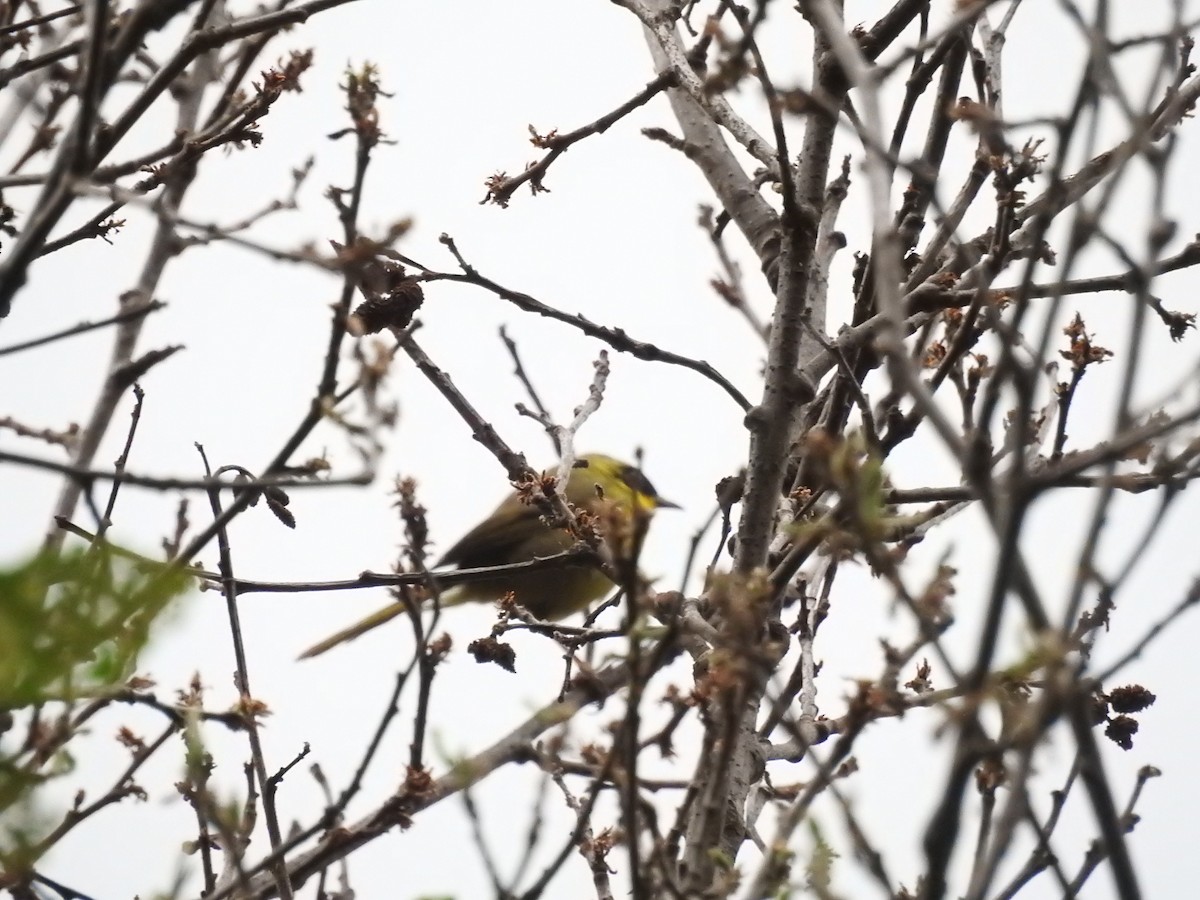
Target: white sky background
x: 616, y: 240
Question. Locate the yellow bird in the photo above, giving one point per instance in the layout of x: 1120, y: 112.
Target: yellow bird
x: 515, y: 532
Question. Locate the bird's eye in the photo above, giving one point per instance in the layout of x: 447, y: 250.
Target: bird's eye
x: 638, y: 482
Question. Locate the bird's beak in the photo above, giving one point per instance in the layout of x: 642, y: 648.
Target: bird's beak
x: 664, y: 503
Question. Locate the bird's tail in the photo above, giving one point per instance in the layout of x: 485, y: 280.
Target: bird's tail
x: 361, y: 627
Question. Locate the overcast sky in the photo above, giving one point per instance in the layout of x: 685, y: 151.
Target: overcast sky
x: 616, y: 239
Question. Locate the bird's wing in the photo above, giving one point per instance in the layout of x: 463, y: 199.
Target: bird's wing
x: 496, y: 540
x: 492, y: 542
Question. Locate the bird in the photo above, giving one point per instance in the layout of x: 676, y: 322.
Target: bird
x: 516, y: 532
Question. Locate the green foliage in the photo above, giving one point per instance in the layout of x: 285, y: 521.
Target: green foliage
x: 72, y: 624
x: 820, y: 865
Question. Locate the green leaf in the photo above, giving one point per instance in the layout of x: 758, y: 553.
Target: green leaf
x: 820, y: 865
x: 72, y: 624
